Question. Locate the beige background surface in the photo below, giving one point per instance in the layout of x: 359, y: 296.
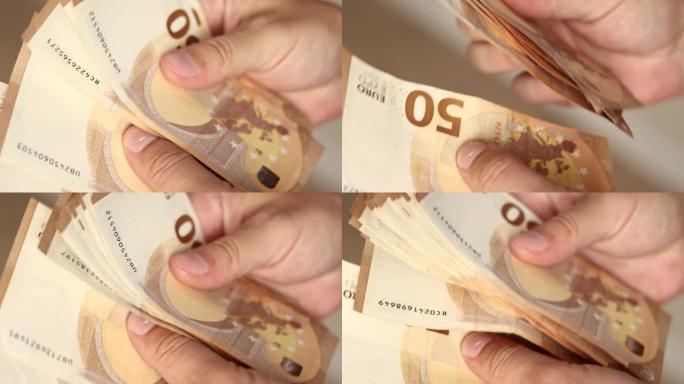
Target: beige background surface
x: 673, y: 371
x: 418, y: 40
x: 15, y: 16
x: 12, y: 208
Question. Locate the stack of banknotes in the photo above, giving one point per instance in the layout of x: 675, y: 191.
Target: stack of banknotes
x: 400, y: 136
x: 549, y: 59
x: 437, y: 266
x: 81, y: 267
x: 83, y: 77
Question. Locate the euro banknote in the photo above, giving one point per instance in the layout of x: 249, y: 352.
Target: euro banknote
x: 462, y: 240
x: 543, y: 53
x: 82, y: 78
x: 83, y: 266
x: 400, y: 136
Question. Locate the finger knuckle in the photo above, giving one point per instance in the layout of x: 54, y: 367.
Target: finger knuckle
x: 502, y: 366
x: 229, y: 252
x: 169, y: 351
x: 223, y: 49
x: 568, y: 224
x: 164, y: 163
x: 494, y: 171
x: 560, y: 372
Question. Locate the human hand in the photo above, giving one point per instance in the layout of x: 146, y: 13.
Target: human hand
x: 638, y: 238
x: 290, y: 243
x: 486, y: 168
x: 293, y: 47
x: 498, y: 359
x: 640, y: 42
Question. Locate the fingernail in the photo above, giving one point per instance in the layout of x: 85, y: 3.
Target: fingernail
x: 468, y: 153
x: 531, y: 240
x: 474, y: 343
x: 182, y: 64
x: 192, y: 263
x: 138, y: 325
x: 136, y: 140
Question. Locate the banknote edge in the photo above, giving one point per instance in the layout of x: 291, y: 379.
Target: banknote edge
x: 18, y: 244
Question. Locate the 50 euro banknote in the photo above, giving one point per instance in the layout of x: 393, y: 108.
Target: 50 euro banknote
x: 543, y: 53
x: 400, y: 136
x: 92, y: 79
x: 61, y: 276
x: 376, y: 351
x: 461, y: 239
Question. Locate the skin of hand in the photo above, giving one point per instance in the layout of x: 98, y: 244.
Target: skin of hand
x: 486, y: 168
x: 640, y: 42
x: 290, y: 243
x: 292, y: 46
x: 497, y: 359
x: 639, y: 238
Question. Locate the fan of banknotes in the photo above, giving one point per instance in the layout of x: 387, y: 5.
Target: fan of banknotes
x: 82, y: 266
x: 548, y: 58
x: 83, y: 77
x: 437, y: 266
x: 400, y: 136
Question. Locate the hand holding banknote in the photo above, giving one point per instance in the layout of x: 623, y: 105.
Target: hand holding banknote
x: 488, y: 168
x: 638, y: 41
x: 290, y: 243
x: 292, y: 46
x: 638, y: 238
x: 498, y: 359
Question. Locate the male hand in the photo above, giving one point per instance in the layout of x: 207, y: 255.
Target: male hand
x: 486, y: 168
x: 639, y: 238
x: 293, y: 47
x: 640, y: 42
x: 290, y: 243
x: 497, y: 359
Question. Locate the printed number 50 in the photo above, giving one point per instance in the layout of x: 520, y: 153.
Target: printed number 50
x: 429, y: 114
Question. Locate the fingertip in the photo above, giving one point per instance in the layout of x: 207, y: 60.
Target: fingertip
x: 191, y: 269
x: 137, y: 325
x: 488, y: 59
x: 468, y: 153
x: 181, y: 63
x: 135, y: 140
x: 184, y: 68
x: 191, y: 263
x: 534, y: 91
x: 533, y: 248
x: 528, y: 8
x: 473, y: 344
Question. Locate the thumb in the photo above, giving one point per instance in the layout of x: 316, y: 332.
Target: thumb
x: 213, y: 61
x: 181, y: 360
x: 564, y: 235
x: 164, y: 166
x: 498, y: 359
x: 233, y: 256
x: 562, y: 9
x: 493, y: 169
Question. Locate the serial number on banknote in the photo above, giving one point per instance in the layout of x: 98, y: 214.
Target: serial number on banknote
x: 119, y: 241
x: 103, y: 42
x: 78, y: 264
x: 71, y: 62
x: 411, y: 308
x: 39, y: 347
x: 456, y: 234
x: 47, y: 159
